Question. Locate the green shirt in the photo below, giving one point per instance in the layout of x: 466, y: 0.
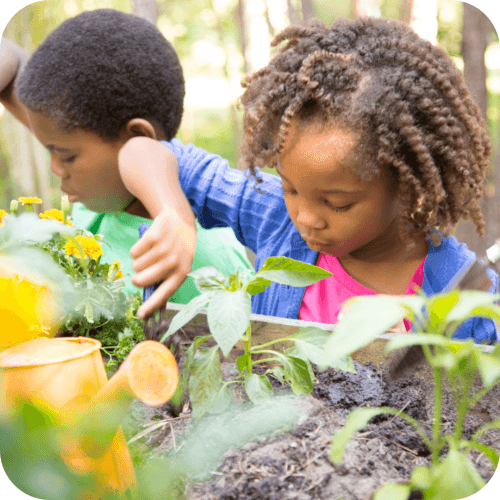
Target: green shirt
x: 214, y: 247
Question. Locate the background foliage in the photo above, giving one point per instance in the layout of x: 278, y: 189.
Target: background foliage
x: 218, y: 42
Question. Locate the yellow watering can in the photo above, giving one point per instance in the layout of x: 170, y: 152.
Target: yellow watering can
x: 67, y: 375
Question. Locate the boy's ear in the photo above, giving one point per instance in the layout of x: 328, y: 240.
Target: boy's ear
x: 139, y: 127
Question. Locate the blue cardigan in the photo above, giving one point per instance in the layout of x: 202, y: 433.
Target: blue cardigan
x: 221, y: 196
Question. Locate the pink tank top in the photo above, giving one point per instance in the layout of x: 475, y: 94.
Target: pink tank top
x: 323, y: 300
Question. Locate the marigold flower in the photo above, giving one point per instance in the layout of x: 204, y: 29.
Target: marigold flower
x: 119, y: 273
x: 54, y: 214
x: 29, y: 200
x: 3, y: 214
x: 26, y: 311
x: 91, y: 247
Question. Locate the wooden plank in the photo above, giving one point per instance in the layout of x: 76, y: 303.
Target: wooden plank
x: 267, y: 328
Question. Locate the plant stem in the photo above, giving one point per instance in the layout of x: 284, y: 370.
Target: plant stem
x: 248, y: 347
x: 465, y: 404
x: 436, y: 431
x: 264, y: 360
x: 282, y: 339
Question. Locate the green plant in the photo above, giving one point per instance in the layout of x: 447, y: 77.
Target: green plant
x: 228, y: 316
x: 451, y: 475
x: 49, y: 250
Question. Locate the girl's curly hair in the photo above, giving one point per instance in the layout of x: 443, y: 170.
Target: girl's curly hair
x: 401, y: 95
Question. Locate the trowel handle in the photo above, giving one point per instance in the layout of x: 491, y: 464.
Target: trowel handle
x: 149, y: 290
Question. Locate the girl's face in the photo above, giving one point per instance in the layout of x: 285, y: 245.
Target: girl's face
x: 86, y: 164
x: 335, y: 212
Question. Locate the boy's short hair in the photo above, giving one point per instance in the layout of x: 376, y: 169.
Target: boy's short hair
x: 102, y: 68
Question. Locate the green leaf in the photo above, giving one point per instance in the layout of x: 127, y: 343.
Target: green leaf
x: 439, y: 307
x: 205, y: 380
x: 222, y: 401
x: 256, y: 285
x: 414, y: 339
x: 394, y: 491
x: 257, y: 387
x: 242, y: 362
x: 490, y: 452
x: 454, y: 477
x: 187, y: 313
x: 421, y: 478
x: 368, y: 317
x: 474, y: 304
x: 190, y: 352
x: 290, y: 272
x: 28, y: 229
x: 489, y: 367
x: 278, y: 372
x: 228, y: 317
x: 296, y: 374
x: 358, y: 419
x: 310, y: 342
x: 208, y: 278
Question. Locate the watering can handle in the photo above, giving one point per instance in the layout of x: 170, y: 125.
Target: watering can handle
x: 149, y: 373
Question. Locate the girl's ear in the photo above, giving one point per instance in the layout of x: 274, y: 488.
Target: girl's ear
x: 139, y: 127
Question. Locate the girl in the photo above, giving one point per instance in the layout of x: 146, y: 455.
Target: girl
x: 380, y: 150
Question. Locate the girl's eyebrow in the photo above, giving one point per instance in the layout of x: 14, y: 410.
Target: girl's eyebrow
x: 330, y: 191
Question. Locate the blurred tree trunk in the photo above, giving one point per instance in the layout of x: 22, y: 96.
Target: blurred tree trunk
x: 476, y: 31
x: 405, y: 11
x: 147, y: 9
x: 292, y: 13
x: 307, y: 10
x: 242, y: 33
x: 29, y: 170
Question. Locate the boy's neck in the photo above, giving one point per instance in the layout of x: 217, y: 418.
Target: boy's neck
x: 138, y: 209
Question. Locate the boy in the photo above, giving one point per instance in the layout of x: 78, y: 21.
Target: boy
x: 98, y: 80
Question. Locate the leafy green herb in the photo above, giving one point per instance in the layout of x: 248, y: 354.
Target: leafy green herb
x: 228, y: 313
x: 459, y: 362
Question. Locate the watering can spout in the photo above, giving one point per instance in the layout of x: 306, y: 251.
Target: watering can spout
x: 149, y: 373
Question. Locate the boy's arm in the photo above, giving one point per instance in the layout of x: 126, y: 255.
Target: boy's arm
x: 12, y: 59
x: 165, y: 252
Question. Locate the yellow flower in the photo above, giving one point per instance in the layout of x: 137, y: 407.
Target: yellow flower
x: 3, y: 214
x: 29, y: 201
x: 91, y: 247
x: 26, y: 311
x: 119, y: 273
x: 54, y: 214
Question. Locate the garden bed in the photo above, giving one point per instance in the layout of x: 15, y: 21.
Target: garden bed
x: 294, y: 463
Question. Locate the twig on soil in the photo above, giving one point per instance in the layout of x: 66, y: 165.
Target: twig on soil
x: 390, y: 441
x: 389, y: 422
x: 156, y: 425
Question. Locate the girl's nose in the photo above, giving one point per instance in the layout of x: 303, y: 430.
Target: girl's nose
x: 308, y: 217
x: 56, y: 169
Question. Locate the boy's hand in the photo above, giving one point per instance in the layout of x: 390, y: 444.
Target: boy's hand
x: 164, y: 254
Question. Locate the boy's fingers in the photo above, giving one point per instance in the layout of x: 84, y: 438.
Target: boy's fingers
x: 151, y: 257
x: 159, y: 299
x: 141, y: 247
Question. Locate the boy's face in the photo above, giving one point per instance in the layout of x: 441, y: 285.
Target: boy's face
x: 85, y: 162
x: 335, y: 212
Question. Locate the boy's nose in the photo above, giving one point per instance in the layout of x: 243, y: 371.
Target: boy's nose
x: 56, y: 169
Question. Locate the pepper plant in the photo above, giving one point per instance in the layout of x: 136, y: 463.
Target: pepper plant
x: 228, y: 301
x: 450, y: 475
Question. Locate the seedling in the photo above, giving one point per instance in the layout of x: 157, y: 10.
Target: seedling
x: 228, y: 314
x: 451, y: 475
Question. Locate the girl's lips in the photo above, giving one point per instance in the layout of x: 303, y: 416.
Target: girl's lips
x: 73, y: 198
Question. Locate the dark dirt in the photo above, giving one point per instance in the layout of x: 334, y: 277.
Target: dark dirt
x: 294, y: 464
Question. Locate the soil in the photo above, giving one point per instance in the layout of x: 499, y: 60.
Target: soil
x: 293, y: 462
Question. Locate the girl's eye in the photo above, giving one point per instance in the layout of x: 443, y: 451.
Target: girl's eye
x: 339, y: 209
x: 288, y: 191
x: 71, y: 159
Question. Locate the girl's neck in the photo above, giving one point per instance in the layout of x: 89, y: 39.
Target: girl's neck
x: 387, y: 264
